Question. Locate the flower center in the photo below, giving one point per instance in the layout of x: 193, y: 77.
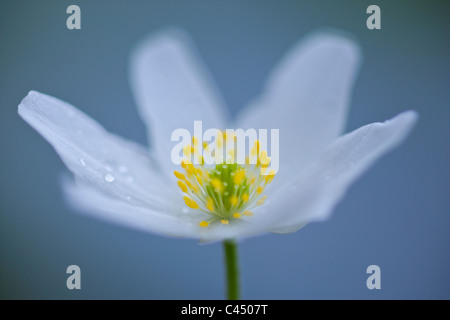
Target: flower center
x: 224, y: 191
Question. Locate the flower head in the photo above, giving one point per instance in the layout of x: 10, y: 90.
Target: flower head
x: 306, y: 98
x: 224, y: 191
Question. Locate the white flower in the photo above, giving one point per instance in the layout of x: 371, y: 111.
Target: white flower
x: 306, y: 98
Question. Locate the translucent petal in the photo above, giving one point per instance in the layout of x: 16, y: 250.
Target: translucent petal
x: 306, y: 97
x: 166, y: 222
x: 111, y: 164
x: 313, y: 195
x: 173, y: 89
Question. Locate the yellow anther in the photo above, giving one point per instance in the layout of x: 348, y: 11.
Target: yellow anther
x: 189, y: 168
x: 199, y: 180
x: 245, y: 197
x: 219, y: 141
x: 233, y: 200
x: 270, y: 176
x: 248, y: 213
x: 252, y: 181
x: 231, y: 155
x: 223, y: 221
x: 194, y: 141
x: 182, y: 186
x: 205, y: 144
x: 203, y: 224
x: 263, y: 170
x: 236, y: 215
x: 265, y: 160
x: 261, y: 201
x: 190, y: 203
x: 210, y: 204
x: 217, y: 184
x: 259, y: 190
x: 189, y: 184
x: 187, y: 150
x: 239, y: 177
x: 255, y: 149
x: 179, y: 175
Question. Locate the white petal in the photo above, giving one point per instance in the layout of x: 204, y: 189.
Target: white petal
x: 314, y: 195
x: 113, y: 165
x: 173, y: 89
x: 166, y: 222
x: 307, y: 97
x: 91, y: 201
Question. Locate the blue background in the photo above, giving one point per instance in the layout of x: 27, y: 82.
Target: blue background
x: 396, y: 216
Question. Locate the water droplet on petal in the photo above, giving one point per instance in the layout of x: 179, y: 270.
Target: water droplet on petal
x: 185, y: 210
x: 130, y: 179
x: 109, y: 177
x: 83, y: 162
x: 128, y: 198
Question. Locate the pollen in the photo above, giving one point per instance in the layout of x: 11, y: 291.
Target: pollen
x: 226, y: 191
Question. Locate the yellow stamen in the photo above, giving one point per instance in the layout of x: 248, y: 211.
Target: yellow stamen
x: 189, y: 168
x: 239, y: 177
x: 189, y: 184
x: 265, y: 160
x: 270, y: 176
x: 199, y: 180
x: 210, y: 204
x: 182, y: 186
x: 261, y: 201
x: 226, y: 190
x: 255, y: 149
x: 179, y: 175
x: 187, y: 150
x: 217, y: 184
x: 190, y: 203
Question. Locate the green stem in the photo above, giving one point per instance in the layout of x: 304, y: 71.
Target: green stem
x: 232, y: 269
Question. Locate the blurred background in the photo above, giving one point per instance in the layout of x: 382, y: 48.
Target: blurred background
x: 396, y: 216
